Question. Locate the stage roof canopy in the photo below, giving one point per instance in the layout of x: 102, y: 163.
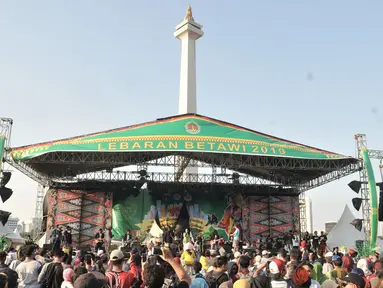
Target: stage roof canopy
x: 197, y: 137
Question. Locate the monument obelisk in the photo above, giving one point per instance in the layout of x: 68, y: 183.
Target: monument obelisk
x: 188, y: 31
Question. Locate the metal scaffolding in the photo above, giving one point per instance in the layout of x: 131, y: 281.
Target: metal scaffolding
x: 39, y: 208
x: 302, y: 213
x: 361, y: 144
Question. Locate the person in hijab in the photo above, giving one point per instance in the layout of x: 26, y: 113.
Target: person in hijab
x: 199, y: 283
x: 241, y: 284
x: 347, y: 262
x: 317, y: 274
x: 363, y: 264
x: 329, y: 284
x: 301, y: 278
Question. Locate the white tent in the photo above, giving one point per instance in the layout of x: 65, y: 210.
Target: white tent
x: 344, y: 234
x: 15, y: 238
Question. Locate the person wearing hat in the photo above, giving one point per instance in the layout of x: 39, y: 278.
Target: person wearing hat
x: 353, y: 280
x: 265, y: 256
x: 277, y: 270
x: 89, y: 280
x: 347, y: 261
x: 117, y: 277
x: 338, y: 272
x: 327, y: 266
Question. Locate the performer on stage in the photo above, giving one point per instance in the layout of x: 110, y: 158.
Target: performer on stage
x: 187, y: 237
x: 56, y: 238
x: 168, y: 237
x: 236, y: 237
x: 68, y: 237
x: 99, y: 240
x: 127, y: 239
x: 109, y: 237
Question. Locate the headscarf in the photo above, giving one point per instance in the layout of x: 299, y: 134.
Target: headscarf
x: 362, y: 264
x: 199, y: 283
x: 241, y: 284
x: 317, y: 273
x: 329, y: 284
x: 301, y: 277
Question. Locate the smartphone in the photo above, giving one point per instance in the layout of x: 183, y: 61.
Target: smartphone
x: 157, y: 251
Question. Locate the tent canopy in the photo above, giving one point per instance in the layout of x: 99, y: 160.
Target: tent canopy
x: 194, y: 136
x: 14, y: 237
x: 344, y: 234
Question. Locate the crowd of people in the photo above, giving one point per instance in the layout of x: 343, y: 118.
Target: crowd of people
x: 156, y: 265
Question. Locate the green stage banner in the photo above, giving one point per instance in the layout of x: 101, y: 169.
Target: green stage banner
x: 185, y: 133
x: 139, y: 212
x: 2, y: 146
x: 373, y: 199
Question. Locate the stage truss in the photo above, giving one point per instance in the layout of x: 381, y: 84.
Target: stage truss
x: 171, y: 161
x: 144, y: 161
x: 361, y: 144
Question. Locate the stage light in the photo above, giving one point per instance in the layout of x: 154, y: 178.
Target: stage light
x: 5, y: 179
x: 355, y: 186
x: 4, y: 216
x: 357, y: 223
x: 235, y: 177
x: 357, y: 203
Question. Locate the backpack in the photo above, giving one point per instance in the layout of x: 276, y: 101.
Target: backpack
x: 53, y: 269
x: 113, y: 279
x: 248, y: 277
x: 212, y: 281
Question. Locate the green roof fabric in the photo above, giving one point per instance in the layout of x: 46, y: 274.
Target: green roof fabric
x: 190, y: 133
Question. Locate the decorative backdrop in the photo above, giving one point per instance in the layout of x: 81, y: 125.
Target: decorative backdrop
x: 84, y: 212
x: 269, y: 215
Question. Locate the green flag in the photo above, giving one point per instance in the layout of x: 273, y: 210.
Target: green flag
x: 2, y: 144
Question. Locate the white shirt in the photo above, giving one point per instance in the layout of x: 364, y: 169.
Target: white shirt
x: 66, y: 284
x: 279, y: 284
x: 28, y: 274
x: 314, y: 284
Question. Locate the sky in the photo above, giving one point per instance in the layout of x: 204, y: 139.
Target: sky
x: 307, y: 71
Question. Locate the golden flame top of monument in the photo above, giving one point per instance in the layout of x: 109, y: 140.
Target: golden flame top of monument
x: 189, y: 14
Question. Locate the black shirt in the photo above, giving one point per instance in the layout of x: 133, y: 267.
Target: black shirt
x: 12, y: 275
x: 315, y: 240
x: 68, y: 237
x: 100, y: 235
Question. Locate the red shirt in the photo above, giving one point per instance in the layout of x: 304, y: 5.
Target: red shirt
x: 124, y: 278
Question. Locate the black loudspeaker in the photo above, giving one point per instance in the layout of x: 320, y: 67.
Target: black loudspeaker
x: 380, y: 208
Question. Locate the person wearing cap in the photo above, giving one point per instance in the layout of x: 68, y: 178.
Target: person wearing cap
x: 277, y: 271
x: 265, y: 256
x: 338, y: 272
x: 327, y: 266
x: 347, y: 261
x: 237, y: 254
x: 89, y: 280
x: 353, y: 280
x: 117, y: 276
